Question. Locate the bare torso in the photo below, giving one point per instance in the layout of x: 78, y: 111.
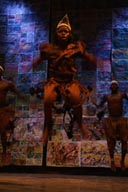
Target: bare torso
x: 115, y: 104
x: 61, y: 61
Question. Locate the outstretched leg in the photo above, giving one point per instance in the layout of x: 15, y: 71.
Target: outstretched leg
x: 50, y: 96
x: 47, y: 123
x: 110, y: 131
x: 124, y: 152
x: 111, y: 148
x: 4, y: 147
x: 73, y: 96
x: 67, y: 109
x: 79, y: 120
x: 7, y: 120
x: 123, y: 134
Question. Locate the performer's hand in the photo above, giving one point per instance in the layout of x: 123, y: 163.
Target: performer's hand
x: 81, y: 46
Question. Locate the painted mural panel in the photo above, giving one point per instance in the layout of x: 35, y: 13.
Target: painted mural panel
x: 23, y: 28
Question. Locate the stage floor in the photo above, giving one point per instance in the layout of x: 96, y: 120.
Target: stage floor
x: 24, y: 182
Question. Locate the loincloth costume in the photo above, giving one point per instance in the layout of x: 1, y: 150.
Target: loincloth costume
x: 116, y: 127
x: 62, y: 70
x: 66, y: 87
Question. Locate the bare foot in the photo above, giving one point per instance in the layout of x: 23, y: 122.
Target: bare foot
x: 113, y: 167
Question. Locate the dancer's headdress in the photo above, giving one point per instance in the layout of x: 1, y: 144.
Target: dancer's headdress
x: 114, y: 81
x: 64, y: 22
